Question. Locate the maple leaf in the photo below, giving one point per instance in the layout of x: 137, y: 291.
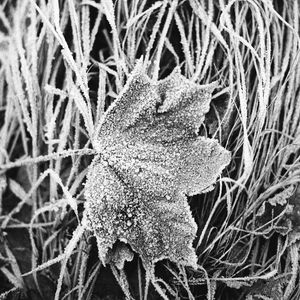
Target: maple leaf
x: 150, y: 158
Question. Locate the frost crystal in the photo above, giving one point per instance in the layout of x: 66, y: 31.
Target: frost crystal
x: 150, y: 158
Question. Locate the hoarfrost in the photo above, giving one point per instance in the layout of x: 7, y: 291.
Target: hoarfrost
x: 150, y: 158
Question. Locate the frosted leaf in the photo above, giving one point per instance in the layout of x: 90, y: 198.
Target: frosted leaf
x: 268, y: 212
x: 119, y: 255
x: 271, y: 289
x: 150, y: 158
x: 282, y: 197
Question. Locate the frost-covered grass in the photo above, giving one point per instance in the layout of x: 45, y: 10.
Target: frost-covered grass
x: 63, y: 63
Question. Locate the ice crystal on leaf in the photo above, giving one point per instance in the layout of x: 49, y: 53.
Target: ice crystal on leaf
x: 150, y: 158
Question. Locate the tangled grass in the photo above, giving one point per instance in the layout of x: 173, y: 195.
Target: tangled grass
x: 62, y: 63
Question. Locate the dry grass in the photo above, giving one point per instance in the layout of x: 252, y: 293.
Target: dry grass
x: 61, y: 65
